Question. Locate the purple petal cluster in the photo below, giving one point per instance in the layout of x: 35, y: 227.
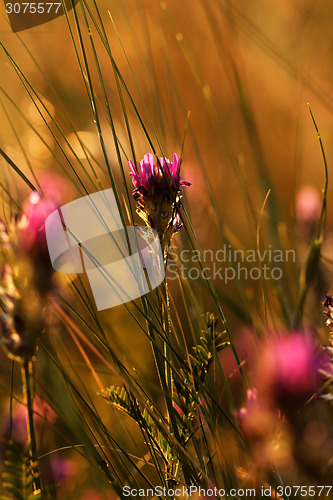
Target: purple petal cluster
x: 163, y: 173
x: 157, y: 192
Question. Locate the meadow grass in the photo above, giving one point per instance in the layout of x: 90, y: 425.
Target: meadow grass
x: 159, y: 392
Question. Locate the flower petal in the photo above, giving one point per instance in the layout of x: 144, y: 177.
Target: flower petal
x: 142, y: 169
x: 135, y: 176
x: 149, y: 163
x: 176, y: 165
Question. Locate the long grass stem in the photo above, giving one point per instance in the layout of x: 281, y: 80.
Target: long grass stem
x: 27, y: 384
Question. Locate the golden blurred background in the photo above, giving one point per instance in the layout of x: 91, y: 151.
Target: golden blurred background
x: 245, y: 72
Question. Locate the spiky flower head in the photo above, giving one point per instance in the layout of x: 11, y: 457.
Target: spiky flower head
x: 328, y: 372
x: 25, y: 277
x: 21, y: 316
x: 328, y: 310
x: 158, y: 193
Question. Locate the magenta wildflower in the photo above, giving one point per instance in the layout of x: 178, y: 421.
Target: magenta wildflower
x: 36, y: 208
x: 31, y: 238
x: 158, y: 193
x: 26, y: 274
x: 290, y: 370
x: 32, y: 223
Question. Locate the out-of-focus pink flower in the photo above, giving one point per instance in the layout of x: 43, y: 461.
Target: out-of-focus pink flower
x: 63, y: 469
x: 37, y: 207
x: 308, y: 204
x: 261, y: 425
x: 158, y: 192
x: 289, y: 370
x: 43, y: 412
x: 256, y: 420
x: 252, y: 400
x: 32, y: 224
x: 31, y: 238
x: 19, y: 423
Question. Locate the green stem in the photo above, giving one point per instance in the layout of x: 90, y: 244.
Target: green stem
x: 11, y: 403
x: 27, y: 382
x: 168, y: 381
x: 166, y: 324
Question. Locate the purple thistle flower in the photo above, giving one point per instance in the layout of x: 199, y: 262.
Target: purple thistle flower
x: 158, y: 192
x: 151, y: 173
